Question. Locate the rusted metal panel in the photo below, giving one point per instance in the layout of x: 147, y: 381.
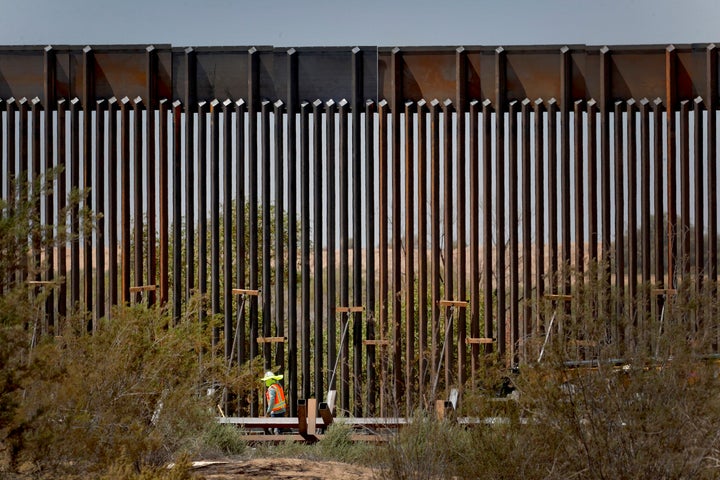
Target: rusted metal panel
x: 21, y: 72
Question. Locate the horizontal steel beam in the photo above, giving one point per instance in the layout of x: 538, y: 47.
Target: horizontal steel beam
x: 196, y: 74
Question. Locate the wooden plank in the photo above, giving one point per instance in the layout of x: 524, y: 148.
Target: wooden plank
x: 376, y: 342
x: 664, y: 291
x: 271, y: 339
x: 245, y: 291
x: 143, y: 288
x: 453, y: 303
x: 356, y: 437
x: 479, y: 341
x: 349, y: 309
x: 558, y: 297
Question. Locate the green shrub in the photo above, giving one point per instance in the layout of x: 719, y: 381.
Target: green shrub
x: 222, y: 439
x: 338, y: 445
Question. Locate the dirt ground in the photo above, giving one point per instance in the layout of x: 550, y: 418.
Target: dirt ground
x: 282, y: 468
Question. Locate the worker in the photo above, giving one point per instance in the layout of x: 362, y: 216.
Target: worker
x: 275, y: 396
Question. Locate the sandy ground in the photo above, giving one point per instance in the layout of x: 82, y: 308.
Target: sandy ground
x: 282, y: 468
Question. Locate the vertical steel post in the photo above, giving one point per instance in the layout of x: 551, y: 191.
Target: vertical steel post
x: 253, y: 109
x: 292, y: 148
x: 566, y: 106
x: 619, y: 254
x: 461, y: 86
x: 75, y: 210
x: 526, y: 329
x: 88, y: 100
x: 449, y: 291
x: 318, y: 241
x: 580, y: 213
x: 330, y: 221
x: 657, y: 109
x: 435, y: 234
x: 409, y: 258
x: 514, y: 226
x: 552, y: 193
x: 487, y: 227
x: 422, y: 234
x: 138, y: 240
x: 343, y: 193
x: 60, y: 215
x: 227, y: 108
x: 396, y: 112
x: 356, y: 106
x: 240, y: 219
x: 190, y: 108
x: 500, y: 202
x: 305, y: 248
x: 49, y: 100
x: 632, y: 202
x: 124, y: 196
x: 202, y: 189
x: 150, y: 169
x: 215, y: 214
x: 592, y: 178
x: 383, y: 239
x: 99, y: 191
x: 112, y: 176
x: 370, y: 200
x: 684, y: 231
x: 266, y: 234
x: 280, y: 313
x: 176, y: 205
x: 539, y: 213
x: 698, y: 154
x: 474, y: 237
x: 163, y: 194
x: 710, y: 100
x: 670, y: 155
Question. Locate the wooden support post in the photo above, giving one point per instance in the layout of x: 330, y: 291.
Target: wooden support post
x: 302, y: 417
x: 311, y: 416
x: 326, y: 414
x: 443, y: 409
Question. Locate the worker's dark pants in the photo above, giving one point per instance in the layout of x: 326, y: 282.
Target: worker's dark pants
x: 278, y: 431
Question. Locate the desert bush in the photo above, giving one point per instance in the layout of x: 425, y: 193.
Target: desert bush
x: 222, y: 439
x: 134, y: 387
x: 337, y: 445
x: 647, y: 418
x: 426, y: 449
